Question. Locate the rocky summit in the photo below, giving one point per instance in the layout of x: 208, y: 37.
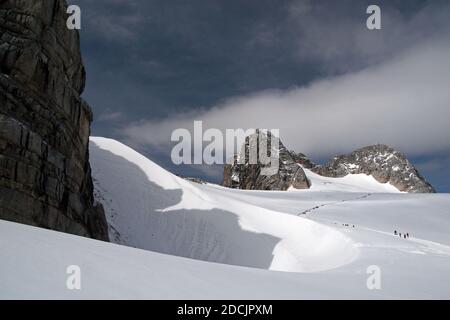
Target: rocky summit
x: 381, y: 162
x: 384, y: 163
x: 242, y: 174
x: 45, y: 176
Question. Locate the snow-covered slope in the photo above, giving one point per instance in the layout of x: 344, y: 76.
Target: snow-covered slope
x: 152, y: 209
x: 326, y: 240
x: 349, y: 183
x: 35, y: 261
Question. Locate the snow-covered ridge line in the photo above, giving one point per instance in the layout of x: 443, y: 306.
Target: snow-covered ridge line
x: 150, y: 208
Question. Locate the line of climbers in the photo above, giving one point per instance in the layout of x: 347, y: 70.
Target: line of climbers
x: 404, y: 236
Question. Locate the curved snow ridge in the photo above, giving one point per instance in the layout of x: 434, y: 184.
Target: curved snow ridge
x: 149, y: 208
x: 305, y: 245
x: 161, y: 177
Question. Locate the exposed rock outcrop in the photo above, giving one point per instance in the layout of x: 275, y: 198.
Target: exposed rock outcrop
x: 380, y: 161
x: 45, y: 177
x: 242, y: 174
x: 383, y: 163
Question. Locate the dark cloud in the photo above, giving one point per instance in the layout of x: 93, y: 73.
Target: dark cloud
x: 154, y: 62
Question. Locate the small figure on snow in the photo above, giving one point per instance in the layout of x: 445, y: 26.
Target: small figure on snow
x: 395, y: 232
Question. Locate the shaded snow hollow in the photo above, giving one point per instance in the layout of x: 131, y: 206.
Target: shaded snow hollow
x: 150, y: 208
x: 327, y: 237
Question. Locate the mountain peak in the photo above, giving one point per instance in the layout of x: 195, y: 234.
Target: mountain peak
x: 244, y: 175
x: 380, y: 161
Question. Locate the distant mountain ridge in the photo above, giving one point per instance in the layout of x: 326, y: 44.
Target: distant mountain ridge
x: 380, y: 161
x: 383, y: 163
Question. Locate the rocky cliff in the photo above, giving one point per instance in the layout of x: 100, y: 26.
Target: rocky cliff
x: 244, y: 175
x: 382, y: 162
x: 45, y: 177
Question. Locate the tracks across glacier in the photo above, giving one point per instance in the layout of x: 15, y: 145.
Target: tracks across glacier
x: 333, y: 203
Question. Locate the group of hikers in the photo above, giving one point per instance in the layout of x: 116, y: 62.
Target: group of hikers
x: 401, y: 235
x: 404, y: 235
x: 347, y: 225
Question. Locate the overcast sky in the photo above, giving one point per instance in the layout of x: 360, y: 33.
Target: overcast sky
x: 309, y: 68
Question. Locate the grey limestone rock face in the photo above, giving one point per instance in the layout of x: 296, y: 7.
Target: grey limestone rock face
x: 383, y: 163
x: 380, y: 161
x: 45, y: 176
x: 244, y: 174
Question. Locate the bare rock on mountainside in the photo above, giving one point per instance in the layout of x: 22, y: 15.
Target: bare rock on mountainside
x: 45, y: 176
x: 250, y: 176
x: 380, y: 161
x: 193, y: 179
x: 383, y: 163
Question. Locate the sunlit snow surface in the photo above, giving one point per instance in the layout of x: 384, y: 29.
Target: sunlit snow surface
x: 325, y: 238
x: 350, y: 183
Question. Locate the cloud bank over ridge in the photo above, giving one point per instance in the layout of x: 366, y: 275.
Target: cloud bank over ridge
x: 403, y: 102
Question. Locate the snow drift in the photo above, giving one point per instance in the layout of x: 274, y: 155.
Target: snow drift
x: 150, y: 208
x: 327, y: 237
